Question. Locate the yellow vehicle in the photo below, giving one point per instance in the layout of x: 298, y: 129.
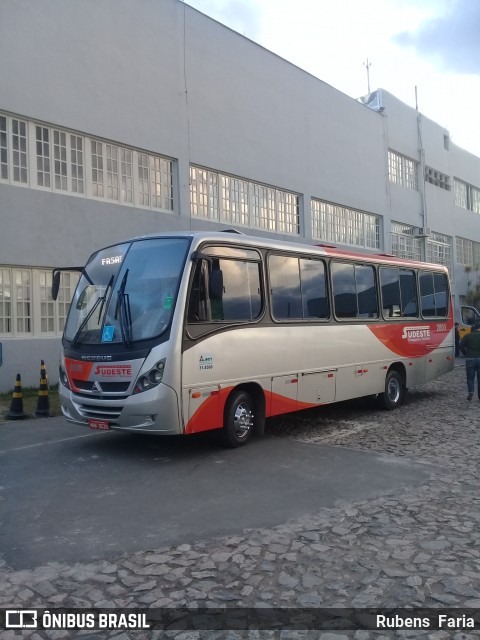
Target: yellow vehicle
x: 468, y: 317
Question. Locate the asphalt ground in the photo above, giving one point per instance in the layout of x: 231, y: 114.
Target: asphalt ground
x: 75, y: 495
x: 409, y: 545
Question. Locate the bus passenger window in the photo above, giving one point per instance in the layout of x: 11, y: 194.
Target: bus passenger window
x: 408, y: 292
x: 233, y: 292
x: 241, y: 290
x: 434, y: 295
x: 344, y: 292
x: 354, y: 290
x: 314, y: 289
x: 366, y: 291
x: 197, y: 305
x: 399, y: 297
x: 441, y: 294
x: 285, y: 288
x: 298, y: 288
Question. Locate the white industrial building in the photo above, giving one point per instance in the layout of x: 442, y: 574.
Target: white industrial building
x: 125, y: 117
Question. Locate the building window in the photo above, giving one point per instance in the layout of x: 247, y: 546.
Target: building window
x: 263, y: 206
x: 155, y: 179
x: 466, y: 195
x: 23, y: 300
x: 53, y: 314
x: 161, y: 183
x: 404, y: 244
x: 19, y: 147
x: 126, y: 175
x: 97, y: 168
x: 116, y: 173
x: 43, y: 156
x: 334, y: 223
x: 3, y: 148
x: 6, y: 312
x: 60, y: 160
x: 439, y: 250
x: 437, y: 178
x: 13, y: 150
x: 47, y: 305
x: 402, y: 170
x: 467, y: 252
x: 26, y: 305
x: 230, y: 199
x: 112, y: 171
x: 77, y: 167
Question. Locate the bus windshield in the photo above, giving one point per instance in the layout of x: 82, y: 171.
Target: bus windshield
x: 127, y: 293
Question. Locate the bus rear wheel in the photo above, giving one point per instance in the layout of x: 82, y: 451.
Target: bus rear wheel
x: 239, y: 419
x: 394, y: 393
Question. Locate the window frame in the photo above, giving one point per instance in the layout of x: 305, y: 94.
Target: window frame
x: 64, y: 161
x: 39, y: 299
x: 200, y: 260
x: 343, y: 225
x: 303, y: 319
x: 401, y: 317
x: 231, y: 199
x: 433, y: 318
x: 355, y: 264
x: 402, y: 170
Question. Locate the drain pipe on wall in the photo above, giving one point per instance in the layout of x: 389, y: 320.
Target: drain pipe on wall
x: 421, y: 181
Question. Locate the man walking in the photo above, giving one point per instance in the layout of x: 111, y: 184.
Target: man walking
x: 470, y: 347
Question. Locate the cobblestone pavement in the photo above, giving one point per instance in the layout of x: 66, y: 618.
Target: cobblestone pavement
x: 418, y: 548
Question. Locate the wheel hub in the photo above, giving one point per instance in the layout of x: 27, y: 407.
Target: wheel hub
x: 242, y: 420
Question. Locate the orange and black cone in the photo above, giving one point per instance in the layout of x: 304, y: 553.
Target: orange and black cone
x: 43, y: 403
x: 16, y: 406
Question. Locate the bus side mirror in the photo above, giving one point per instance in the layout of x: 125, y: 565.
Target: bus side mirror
x: 55, y: 283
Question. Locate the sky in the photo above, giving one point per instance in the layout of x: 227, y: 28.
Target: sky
x: 433, y: 45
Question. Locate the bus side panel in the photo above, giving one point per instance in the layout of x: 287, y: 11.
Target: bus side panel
x: 438, y: 362
x: 205, y: 408
x: 296, y: 366
x: 300, y: 366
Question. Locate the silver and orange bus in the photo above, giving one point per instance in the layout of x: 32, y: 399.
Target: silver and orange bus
x: 186, y: 332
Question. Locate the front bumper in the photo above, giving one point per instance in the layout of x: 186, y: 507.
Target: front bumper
x: 153, y: 411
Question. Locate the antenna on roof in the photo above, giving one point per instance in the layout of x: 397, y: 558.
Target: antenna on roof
x: 368, y: 64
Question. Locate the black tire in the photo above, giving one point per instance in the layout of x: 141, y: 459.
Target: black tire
x: 394, y: 393
x: 239, y: 419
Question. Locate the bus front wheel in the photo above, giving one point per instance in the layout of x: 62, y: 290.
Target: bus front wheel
x: 394, y: 393
x: 239, y: 419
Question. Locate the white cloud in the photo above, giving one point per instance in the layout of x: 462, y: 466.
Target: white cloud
x: 407, y: 42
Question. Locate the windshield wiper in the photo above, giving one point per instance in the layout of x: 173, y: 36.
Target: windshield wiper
x: 91, y: 312
x: 104, y: 298
x: 85, y: 320
x: 123, y: 310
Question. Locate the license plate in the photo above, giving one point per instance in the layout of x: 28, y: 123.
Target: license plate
x: 99, y: 425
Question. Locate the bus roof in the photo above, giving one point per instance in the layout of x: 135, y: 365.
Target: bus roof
x: 234, y: 237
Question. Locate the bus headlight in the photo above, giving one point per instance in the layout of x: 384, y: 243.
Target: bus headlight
x: 150, y: 379
x: 62, y: 376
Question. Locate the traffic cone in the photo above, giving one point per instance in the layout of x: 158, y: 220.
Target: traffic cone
x: 43, y: 402
x: 16, y: 406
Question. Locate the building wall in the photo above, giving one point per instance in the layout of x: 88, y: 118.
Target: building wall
x: 160, y: 78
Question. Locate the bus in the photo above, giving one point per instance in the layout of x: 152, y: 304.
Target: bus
x: 182, y: 333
